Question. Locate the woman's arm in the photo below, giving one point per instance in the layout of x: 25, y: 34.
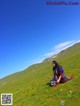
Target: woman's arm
x: 61, y: 71
x: 59, y: 79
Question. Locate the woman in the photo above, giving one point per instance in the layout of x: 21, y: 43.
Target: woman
x: 59, y: 76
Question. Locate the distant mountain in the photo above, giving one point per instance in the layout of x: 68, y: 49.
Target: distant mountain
x: 29, y: 87
x: 75, y: 48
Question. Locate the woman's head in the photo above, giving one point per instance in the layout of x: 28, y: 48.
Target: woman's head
x: 55, y: 64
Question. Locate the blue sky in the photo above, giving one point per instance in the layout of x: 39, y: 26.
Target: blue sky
x: 31, y: 30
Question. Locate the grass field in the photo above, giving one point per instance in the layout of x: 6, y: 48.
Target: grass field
x: 30, y: 87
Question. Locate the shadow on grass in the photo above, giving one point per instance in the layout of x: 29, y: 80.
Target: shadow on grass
x: 48, y: 83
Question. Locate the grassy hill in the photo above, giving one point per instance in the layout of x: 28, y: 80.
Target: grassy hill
x: 29, y: 87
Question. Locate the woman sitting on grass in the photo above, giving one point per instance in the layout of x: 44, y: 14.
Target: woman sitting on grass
x: 59, y: 76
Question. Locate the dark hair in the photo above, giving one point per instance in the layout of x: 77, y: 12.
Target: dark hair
x: 56, y: 64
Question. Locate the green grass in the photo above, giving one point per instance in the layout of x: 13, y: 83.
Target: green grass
x: 29, y: 87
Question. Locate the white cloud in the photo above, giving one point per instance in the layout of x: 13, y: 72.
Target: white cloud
x: 63, y: 45
x: 56, y: 49
x: 37, y: 60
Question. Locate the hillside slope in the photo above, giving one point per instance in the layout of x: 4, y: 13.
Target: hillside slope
x: 29, y: 87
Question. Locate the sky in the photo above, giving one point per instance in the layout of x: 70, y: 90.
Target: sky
x: 32, y: 30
